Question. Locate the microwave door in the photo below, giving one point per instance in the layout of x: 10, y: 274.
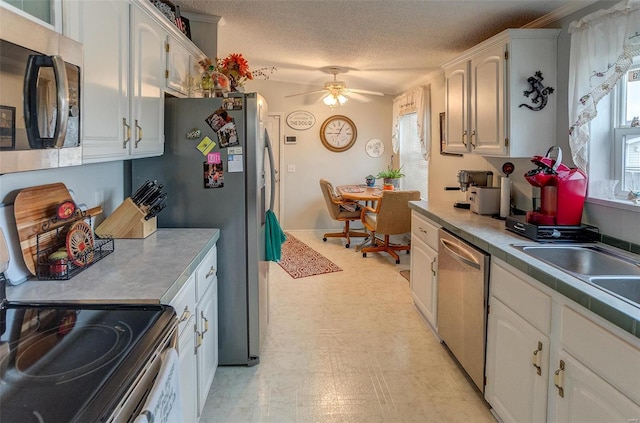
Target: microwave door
x: 46, y: 106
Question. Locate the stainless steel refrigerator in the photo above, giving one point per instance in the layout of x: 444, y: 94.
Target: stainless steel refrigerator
x: 221, y: 186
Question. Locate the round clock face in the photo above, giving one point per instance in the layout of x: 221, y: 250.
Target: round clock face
x: 338, y: 133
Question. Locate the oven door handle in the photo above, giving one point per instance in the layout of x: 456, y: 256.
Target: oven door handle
x: 460, y: 253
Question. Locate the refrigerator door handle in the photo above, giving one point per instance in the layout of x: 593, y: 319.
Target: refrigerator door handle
x: 272, y: 194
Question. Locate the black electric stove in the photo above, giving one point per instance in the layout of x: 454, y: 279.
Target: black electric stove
x: 73, y: 362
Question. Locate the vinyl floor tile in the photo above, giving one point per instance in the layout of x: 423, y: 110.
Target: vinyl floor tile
x: 346, y: 347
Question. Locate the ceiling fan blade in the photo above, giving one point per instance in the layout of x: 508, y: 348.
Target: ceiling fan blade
x: 364, y: 91
x: 307, y: 93
x: 357, y: 97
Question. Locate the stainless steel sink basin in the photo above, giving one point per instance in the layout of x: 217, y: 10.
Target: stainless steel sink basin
x: 615, y: 273
x: 584, y: 260
x: 625, y: 286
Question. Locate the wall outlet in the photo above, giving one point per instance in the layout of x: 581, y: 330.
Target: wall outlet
x: 291, y: 168
x: 99, y: 197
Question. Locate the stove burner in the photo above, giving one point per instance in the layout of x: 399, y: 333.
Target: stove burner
x: 47, y: 358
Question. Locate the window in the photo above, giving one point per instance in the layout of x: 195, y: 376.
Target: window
x: 614, y: 167
x: 627, y: 131
x: 413, y: 164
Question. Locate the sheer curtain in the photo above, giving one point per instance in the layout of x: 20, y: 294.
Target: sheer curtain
x: 416, y: 101
x: 603, y: 45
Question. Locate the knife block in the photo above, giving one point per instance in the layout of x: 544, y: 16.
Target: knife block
x: 127, y: 221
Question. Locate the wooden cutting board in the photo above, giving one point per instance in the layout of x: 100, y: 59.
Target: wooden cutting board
x: 33, y: 208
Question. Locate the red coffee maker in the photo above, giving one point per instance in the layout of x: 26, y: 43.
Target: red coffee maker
x: 562, y: 191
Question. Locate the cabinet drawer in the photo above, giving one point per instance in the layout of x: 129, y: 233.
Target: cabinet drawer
x: 184, y: 303
x: 424, y: 229
x: 611, y: 357
x: 206, y: 272
x: 511, y: 287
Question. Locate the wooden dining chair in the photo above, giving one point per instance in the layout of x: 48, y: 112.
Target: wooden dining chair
x: 391, y: 216
x: 341, y: 210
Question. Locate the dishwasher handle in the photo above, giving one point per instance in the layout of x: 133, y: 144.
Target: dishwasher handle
x: 460, y: 253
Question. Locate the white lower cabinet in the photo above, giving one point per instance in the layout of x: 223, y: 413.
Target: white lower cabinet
x: 424, y: 257
x: 549, y: 359
x: 196, y: 305
x: 207, y: 346
x: 586, y: 397
x: 188, y: 371
x: 517, y: 354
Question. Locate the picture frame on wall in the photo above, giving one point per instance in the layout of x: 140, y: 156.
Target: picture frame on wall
x: 7, y: 128
x: 443, y: 137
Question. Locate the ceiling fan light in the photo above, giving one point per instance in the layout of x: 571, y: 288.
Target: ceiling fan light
x: 342, y: 99
x: 330, y: 100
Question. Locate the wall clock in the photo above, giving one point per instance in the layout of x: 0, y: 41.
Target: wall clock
x: 338, y: 133
x: 374, y: 147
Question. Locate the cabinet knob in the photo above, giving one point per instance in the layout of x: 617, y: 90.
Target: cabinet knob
x: 139, y: 134
x: 464, y: 137
x: 558, y: 379
x: 185, y: 315
x: 127, y: 133
x: 473, y: 134
x: 198, y: 339
x: 211, y: 272
x: 432, y: 269
x: 537, y: 357
x: 206, y: 323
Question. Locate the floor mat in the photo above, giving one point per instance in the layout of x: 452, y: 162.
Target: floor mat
x: 299, y: 260
x: 406, y: 274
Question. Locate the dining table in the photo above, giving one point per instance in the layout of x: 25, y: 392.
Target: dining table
x: 368, y: 195
x: 360, y: 193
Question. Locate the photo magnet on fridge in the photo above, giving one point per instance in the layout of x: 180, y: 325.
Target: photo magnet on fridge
x: 213, y: 175
x: 218, y: 119
x: 228, y: 135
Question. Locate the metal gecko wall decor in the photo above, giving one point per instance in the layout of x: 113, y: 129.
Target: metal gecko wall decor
x: 539, y: 91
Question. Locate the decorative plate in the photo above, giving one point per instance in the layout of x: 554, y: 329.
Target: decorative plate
x: 80, y: 243
x: 374, y: 147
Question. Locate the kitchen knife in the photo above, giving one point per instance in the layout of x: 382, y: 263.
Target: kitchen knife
x: 142, y: 191
x: 151, y: 199
x: 147, y: 194
x: 154, y: 211
x: 157, y: 200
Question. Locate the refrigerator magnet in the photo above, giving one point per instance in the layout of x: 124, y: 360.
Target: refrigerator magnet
x: 213, y: 158
x: 194, y: 134
x: 228, y: 135
x: 213, y: 175
x: 218, y: 119
x: 234, y: 163
x: 206, y: 145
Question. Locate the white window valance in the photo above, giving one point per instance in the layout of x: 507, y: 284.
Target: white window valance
x: 603, y: 45
x: 417, y: 101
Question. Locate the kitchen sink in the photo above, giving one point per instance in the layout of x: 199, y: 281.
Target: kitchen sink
x: 588, y: 260
x: 625, y: 286
x: 606, y: 269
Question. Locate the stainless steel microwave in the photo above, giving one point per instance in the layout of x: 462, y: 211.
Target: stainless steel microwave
x: 40, y: 94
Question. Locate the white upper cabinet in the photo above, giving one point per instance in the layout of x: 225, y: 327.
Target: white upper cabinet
x: 182, y: 67
x: 488, y: 89
x: 147, y: 82
x: 132, y: 56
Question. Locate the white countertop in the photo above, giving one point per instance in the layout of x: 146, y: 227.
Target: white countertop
x: 491, y: 235
x: 149, y: 270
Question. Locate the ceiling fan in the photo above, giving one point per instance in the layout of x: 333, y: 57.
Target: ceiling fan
x: 336, y: 92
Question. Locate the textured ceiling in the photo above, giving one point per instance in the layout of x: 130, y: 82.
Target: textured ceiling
x: 384, y: 45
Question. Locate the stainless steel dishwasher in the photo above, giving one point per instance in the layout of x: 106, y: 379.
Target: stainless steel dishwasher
x: 463, y: 280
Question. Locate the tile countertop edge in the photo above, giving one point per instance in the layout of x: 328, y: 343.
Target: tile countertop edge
x: 139, y: 271
x: 490, y: 234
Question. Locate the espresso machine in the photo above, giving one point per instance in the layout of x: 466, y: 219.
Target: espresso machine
x: 483, y: 198
x: 562, y: 194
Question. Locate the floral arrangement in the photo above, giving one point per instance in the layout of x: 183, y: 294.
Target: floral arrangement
x: 236, y: 68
